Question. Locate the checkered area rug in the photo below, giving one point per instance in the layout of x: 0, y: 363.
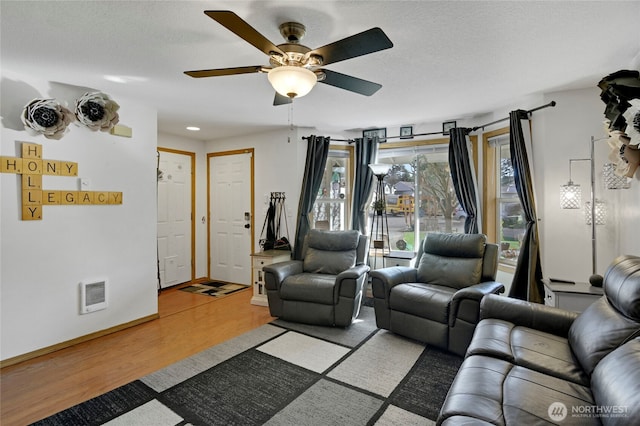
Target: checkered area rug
x: 286, y: 374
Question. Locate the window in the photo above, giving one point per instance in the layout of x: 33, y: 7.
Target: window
x: 419, y: 191
x: 331, y: 210
x: 504, y: 216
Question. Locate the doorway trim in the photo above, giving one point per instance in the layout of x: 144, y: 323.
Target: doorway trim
x: 192, y: 156
x: 252, y: 200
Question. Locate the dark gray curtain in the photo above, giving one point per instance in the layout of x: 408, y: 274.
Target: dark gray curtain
x: 366, y: 153
x: 317, y: 153
x: 527, y: 278
x: 464, y: 179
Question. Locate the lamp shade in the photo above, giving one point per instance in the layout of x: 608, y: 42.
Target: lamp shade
x: 292, y: 82
x: 570, y: 196
x: 612, y: 180
x: 380, y: 169
x: 600, y: 212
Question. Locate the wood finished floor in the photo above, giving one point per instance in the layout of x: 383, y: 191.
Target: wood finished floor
x: 188, y: 323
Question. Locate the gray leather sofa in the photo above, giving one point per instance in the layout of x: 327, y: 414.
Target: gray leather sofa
x: 438, y: 301
x: 326, y: 286
x: 534, y: 364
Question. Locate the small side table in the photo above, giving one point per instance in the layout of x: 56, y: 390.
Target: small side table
x: 258, y: 261
x: 571, y: 297
x: 399, y: 258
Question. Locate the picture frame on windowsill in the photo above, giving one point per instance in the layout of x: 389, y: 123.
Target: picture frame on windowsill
x: 447, y: 126
x: 406, y: 132
x: 380, y: 133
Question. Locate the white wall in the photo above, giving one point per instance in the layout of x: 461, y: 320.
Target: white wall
x: 564, y: 133
x: 166, y: 140
x: 43, y: 262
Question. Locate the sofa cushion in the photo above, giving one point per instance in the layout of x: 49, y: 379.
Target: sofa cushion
x: 622, y: 286
x: 328, y: 262
x: 333, y: 240
x: 453, y: 260
x: 613, y: 319
x: 615, y: 384
x: 455, y: 245
x: 526, y: 347
x: 422, y: 300
x: 498, y: 392
x: 330, y: 252
x: 306, y: 287
x: 599, y: 330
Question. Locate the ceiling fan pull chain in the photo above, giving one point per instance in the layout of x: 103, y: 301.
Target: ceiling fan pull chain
x: 291, y: 116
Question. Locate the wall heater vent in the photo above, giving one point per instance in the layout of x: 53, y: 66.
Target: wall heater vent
x: 93, y: 296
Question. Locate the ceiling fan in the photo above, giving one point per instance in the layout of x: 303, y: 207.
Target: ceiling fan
x: 294, y: 69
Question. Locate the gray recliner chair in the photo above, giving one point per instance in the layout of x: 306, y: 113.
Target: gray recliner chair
x: 438, y: 300
x: 326, y: 286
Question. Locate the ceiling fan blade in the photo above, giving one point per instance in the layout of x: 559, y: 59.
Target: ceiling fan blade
x: 281, y: 100
x: 363, y: 43
x: 224, y: 71
x: 242, y: 29
x: 350, y: 83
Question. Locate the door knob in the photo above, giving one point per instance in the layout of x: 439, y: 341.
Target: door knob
x: 247, y: 225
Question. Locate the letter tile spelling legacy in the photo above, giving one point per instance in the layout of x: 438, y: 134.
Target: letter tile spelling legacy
x: 30, y: 166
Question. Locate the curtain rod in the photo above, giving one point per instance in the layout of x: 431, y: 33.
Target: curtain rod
x: 550, y: 104
x: 305, y: 138
x: 350, y: 141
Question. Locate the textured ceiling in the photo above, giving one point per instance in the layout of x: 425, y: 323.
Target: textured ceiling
x: 450, y: 60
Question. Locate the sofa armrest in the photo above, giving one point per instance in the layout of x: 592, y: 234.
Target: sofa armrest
x: 473, y: 293
x: 383, y: 280
x: 350, y: 281
x: 276, y: 273
x: 354, y: 272
x: 532, y: 315
x: 478, y: 291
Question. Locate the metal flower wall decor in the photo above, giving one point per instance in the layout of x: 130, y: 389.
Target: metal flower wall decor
x: 632, y: 117
x: 46, y: 117
x: 97, y: 111
x: 621, y: 94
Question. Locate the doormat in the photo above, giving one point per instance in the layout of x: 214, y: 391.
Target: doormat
x: 214, y: 288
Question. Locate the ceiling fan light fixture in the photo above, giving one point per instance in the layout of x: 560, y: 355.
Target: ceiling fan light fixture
x: 290, y: 81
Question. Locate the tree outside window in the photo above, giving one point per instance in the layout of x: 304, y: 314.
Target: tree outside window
x: 419, y: 193
x: 511, y: 223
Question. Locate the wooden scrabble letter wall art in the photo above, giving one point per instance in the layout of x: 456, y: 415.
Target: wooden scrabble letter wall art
x: 31, y: 166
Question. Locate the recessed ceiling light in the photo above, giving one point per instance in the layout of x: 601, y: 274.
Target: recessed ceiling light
x: 193, y: 128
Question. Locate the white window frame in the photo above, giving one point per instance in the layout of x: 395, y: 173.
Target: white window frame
x: 346, y: 153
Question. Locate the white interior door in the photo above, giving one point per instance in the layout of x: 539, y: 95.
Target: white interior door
x: 230, y: 218
x: 174, y: 218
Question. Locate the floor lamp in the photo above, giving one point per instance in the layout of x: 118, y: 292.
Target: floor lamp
x: 379, y: 222
x: 570, y: 198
